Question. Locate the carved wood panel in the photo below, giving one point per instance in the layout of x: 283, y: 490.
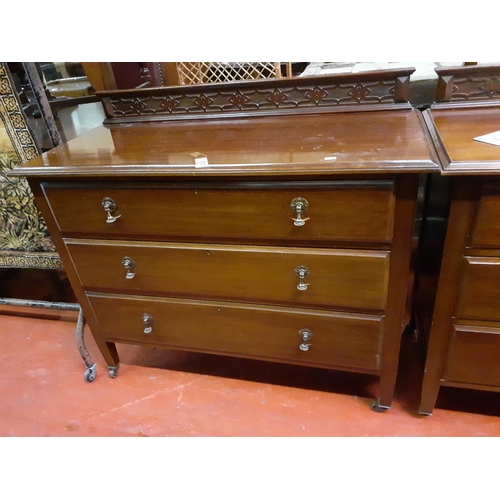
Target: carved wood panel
x: 468, y: 83
x: 261, y: 95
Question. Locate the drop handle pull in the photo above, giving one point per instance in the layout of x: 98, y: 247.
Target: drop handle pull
x: 109, y: 206
x: 129, y: 266
x: 147, y: 319
x: 305, y: 336
x: 299, y: 206
x: 302, y: 272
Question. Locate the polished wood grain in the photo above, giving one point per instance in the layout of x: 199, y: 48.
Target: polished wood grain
x: 339, y: 340
x: 354, y: 143
x: 348, y: 212
x: 342, y: 279
x: 454, y: 131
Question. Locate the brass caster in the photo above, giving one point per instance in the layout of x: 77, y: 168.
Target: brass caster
x: 377, y: 407
x: 90, y: 373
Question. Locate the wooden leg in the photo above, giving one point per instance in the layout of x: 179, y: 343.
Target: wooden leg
x: 430, y: 391
x: 436, y: 355
x: 397, y: 317
x: 461, y: 214
x: 387, y: 386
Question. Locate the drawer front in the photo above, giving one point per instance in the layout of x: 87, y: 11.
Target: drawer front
x: 474, y: 356
x: 336, y: 211
x: 333, y: 278
x: 485, y: 232
x: 235, y: 329
x: 479, y: 294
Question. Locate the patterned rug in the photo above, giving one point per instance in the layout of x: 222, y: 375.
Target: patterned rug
x: 24, y: 239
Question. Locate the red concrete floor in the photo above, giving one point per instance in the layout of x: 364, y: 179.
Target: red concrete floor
x: 168, y: 393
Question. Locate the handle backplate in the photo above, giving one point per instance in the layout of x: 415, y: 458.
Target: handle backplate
x: 129, y: 266
x: 109, y: 206
x: 147, y: 319
x: 305, y: 336
x: 299, y: 206
x: 302, y: 272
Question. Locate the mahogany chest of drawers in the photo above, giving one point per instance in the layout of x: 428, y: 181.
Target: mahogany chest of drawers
x: 235, y: 219
x: 464, y: 339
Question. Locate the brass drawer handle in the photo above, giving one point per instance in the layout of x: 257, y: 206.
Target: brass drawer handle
x: 147, y: 319
x: 299, y: 206
x: 305, y: 336
x: 110, y: 206
x: 302, y: 273
x: 129, y: 266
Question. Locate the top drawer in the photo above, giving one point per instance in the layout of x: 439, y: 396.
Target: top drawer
x: 344, y: 211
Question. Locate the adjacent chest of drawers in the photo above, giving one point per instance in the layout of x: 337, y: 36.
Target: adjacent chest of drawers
x: 464, y: 340
x: 290, y: 243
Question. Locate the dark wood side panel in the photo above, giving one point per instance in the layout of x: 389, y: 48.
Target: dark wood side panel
x: 350, y: 341
x: 405, y: 210
x: 461, y: 214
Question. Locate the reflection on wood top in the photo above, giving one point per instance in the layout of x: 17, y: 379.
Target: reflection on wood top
x: 453, y: 131
x: 326, y: 143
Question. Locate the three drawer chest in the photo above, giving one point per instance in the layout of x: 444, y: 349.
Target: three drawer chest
x: 464, y: 340
x: 269, y: 219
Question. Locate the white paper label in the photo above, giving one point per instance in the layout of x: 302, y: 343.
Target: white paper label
x: 493, y: 138
x: 201, y: 162
x: 200, y: 159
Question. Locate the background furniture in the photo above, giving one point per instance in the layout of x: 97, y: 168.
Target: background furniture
x: 192, y: 73
x: 128, y: 75
x: 464, y: 341
x: 119, y: 75
x: 24, y: 238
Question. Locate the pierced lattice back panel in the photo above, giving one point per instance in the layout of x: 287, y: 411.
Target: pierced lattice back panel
x: 192, y: 73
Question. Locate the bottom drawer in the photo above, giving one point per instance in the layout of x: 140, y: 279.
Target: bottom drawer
x: 272, y: 333
x: 473, y: 356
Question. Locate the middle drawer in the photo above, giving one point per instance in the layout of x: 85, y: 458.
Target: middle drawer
x: 346, y: 279
x: 479, y: 293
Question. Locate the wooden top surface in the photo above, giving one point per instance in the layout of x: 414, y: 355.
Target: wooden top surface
x: 322, y: 143
x: 453, y: 131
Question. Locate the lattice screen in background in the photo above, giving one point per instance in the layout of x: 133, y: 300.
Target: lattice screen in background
x: 210, y: 72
